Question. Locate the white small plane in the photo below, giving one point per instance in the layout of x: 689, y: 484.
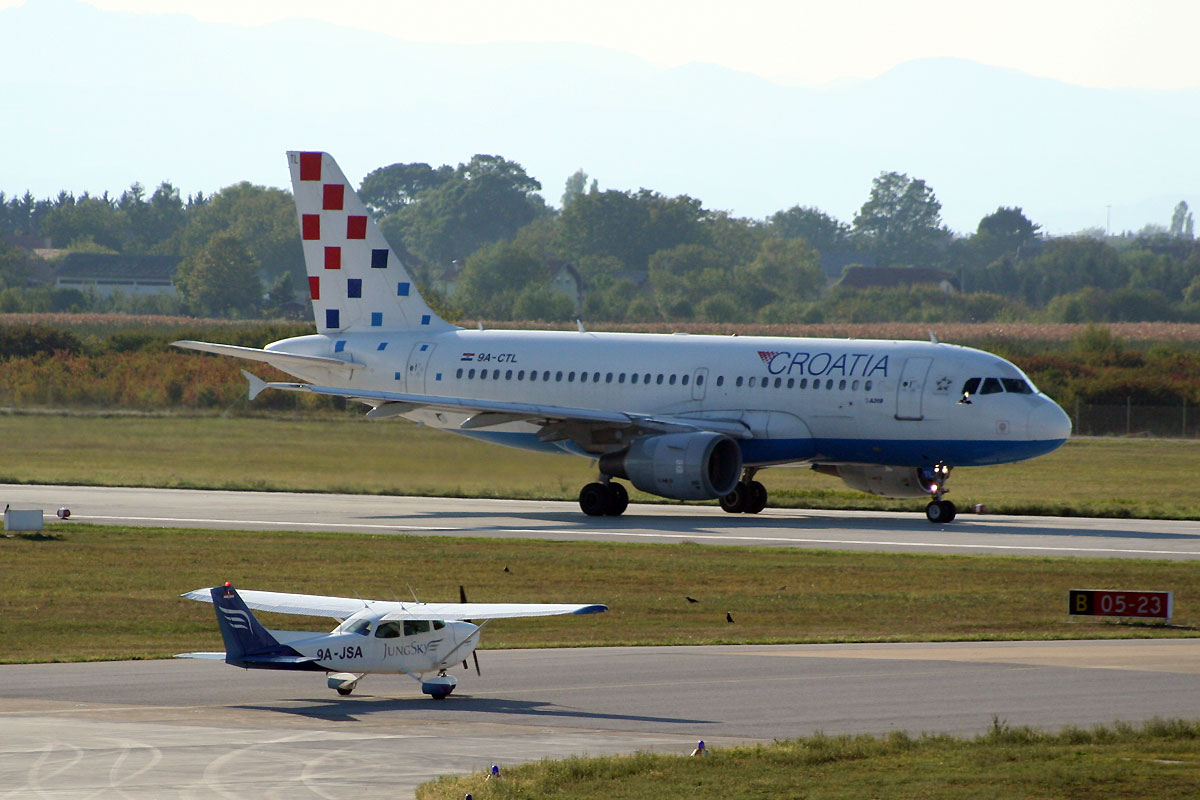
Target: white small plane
x: 420, y: 640
x: 678, y: 416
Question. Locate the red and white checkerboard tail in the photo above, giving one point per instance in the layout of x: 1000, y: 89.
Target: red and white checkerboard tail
x: 355, y: 280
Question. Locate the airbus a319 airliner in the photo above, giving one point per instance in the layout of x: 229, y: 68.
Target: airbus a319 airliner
x: 679, y: 416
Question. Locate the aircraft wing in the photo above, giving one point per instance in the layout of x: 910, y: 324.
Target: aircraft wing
x: 470, y: 611
x: 310, y: 605
x: 343, y: 607
x: 497, y: 412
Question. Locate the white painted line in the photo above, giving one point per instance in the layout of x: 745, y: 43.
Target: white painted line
x: 645, y: 535
x: 289, y: 524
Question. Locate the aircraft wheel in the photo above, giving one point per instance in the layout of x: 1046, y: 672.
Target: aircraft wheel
x: 345, y: 691
x: 735, y: 501
x: 756, y: 499
x: 618, y: 500
x: 940, y: 511
x: 595, y: 499
x: 950, y: 509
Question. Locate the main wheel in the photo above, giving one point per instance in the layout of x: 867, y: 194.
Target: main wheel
x: 735, y: 501
x: 618, y: 500
x: 595, y: 499
x: 940, y: 511
x: 756, y: 499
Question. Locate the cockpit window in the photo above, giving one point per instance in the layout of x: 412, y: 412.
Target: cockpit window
x: 438, y: 624
x: 360, y: 626
x: 414, y: 626
x: 1016, y: 386
x: 388, y: 630
x: 970, y: 387
x: 990, y: 386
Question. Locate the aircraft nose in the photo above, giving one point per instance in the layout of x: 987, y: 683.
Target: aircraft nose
x: 1049, y: 422
x: 463, y: 631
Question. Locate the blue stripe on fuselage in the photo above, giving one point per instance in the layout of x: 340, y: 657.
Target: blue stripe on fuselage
x: 892, y: 452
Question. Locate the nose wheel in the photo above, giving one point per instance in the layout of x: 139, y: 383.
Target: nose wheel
x: 941, y: 511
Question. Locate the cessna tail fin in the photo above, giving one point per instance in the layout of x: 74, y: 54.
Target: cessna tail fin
x: 355, y: 279
x: 243, y: 633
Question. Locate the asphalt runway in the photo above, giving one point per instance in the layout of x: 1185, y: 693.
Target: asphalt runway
x: 855, y: 530
x: 203, y: 729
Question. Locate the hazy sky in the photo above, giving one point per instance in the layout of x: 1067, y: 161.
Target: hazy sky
x: 1101, y: 43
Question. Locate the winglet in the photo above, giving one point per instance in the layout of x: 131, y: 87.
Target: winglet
x: 257, y: 384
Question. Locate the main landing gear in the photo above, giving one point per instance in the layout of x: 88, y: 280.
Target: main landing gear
x: 748, y: 497
x: 939, y: 511
x: 607, y: 499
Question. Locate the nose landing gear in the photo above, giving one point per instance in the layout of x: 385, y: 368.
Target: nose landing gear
x: 939, y: 510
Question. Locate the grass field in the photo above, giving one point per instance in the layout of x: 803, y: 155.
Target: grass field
x: 80, y: 592
x: 1091, y: 477
x: 1156, y: 761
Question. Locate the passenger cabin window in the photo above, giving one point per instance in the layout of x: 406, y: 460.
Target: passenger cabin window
x: 414, y: 626
x: 388, y: 630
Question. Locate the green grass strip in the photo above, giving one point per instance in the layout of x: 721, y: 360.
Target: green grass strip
x: 1155, y: 761
x: 1087, y: 477
x: 80, y: 592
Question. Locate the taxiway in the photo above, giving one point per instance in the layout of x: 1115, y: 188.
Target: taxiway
x: 858, y: 530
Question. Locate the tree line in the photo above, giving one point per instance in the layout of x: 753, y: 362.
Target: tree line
x: 483, y: 243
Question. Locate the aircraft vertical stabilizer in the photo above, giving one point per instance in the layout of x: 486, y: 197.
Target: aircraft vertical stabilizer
x: 354, y: 278
x: 241, y: 630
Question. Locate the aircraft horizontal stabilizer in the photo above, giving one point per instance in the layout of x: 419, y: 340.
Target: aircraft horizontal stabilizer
x: 207, y: 656
x: 276, y: 359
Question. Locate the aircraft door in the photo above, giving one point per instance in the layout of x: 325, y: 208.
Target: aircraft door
x: 418, y: 360
x: 912, y: 386
x: 699, y: 378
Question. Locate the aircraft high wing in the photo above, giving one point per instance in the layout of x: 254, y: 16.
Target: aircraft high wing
x: 372, y: 635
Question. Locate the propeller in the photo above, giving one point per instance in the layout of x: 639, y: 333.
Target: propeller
x: 462, y: 598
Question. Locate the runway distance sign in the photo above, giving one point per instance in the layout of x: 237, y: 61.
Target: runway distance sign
x: 1112, y: 603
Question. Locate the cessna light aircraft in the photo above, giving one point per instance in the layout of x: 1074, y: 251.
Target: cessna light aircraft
x: 679, y: 416
x: 415, y: 639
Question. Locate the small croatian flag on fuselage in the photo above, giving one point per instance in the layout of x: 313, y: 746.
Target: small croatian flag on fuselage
x: 468, y: 357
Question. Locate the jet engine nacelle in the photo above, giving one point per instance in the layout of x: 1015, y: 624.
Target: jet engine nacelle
x: 682, y: 466
x: 885, y: 481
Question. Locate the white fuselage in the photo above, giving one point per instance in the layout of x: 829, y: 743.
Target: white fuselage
x: 363, y: 644
x: 831, y: 401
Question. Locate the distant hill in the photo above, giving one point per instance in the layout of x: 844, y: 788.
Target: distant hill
x: 95, y: 100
